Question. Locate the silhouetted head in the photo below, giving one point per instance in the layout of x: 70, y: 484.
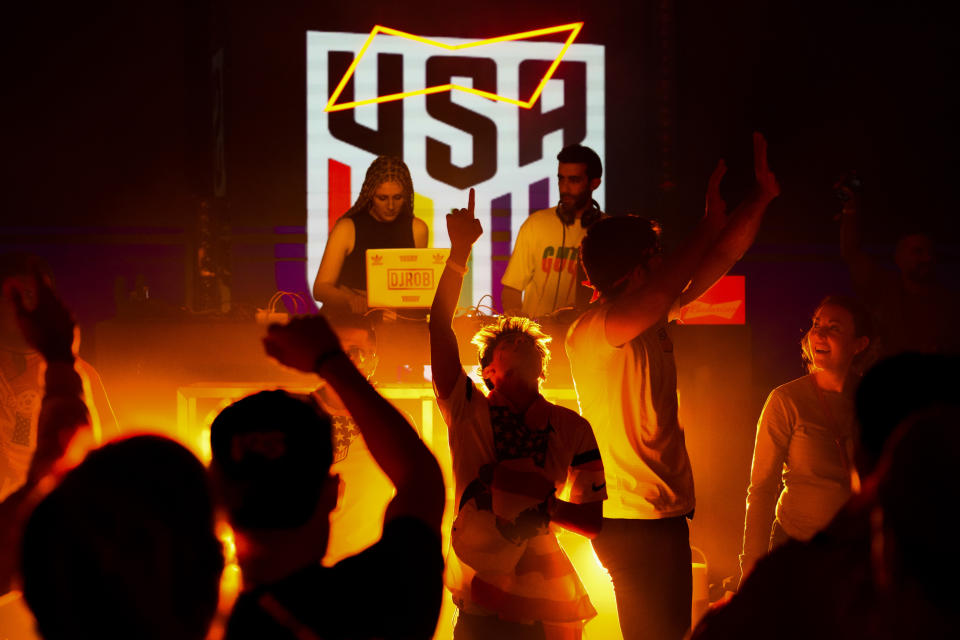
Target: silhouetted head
x: 124, y: 547
x: 272, y: 453
x: 917, y: 478
x: 896, y: 388
x: 914, y: 257
x: 513, y: 353
x: 617, y: 247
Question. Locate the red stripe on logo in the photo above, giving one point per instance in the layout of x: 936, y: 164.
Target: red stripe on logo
x: 338, y: 191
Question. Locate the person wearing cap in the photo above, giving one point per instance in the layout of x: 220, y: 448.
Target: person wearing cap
x: 272, y: 453
x: 381, y: 218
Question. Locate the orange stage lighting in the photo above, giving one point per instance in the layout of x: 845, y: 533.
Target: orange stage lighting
x: 231, y: 581
x: 573, y: 28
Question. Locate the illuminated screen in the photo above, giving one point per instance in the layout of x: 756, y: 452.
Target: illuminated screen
x: 450, y: 139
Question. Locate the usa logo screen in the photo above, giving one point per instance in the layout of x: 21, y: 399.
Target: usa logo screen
x: 453, y: 109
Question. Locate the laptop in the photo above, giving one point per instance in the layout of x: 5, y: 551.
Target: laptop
x: 403, y: 278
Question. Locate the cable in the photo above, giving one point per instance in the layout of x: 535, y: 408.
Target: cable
x: 563, y: 244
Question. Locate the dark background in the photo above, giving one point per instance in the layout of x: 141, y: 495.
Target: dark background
x: 107, y: 111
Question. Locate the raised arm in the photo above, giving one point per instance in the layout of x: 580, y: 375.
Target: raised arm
x: 48, y: 328
x: 463, y: 229
x: 739, y: 231
x: 864, y: 270
x: 643, y: 305
x: 308, y: 344
x: 339, y: 245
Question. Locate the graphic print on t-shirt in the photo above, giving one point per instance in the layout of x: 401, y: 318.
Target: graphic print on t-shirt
x: 559, y: 258
x: 345, y: 431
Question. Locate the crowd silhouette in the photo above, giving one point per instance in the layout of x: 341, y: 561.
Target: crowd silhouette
x: 851, y: 484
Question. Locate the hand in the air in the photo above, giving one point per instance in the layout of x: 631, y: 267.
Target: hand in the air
x: 50, y: 329
x: 49, y: 326
x: 301, y: 341
x: 767, y: 186
x: 716, y: 207
x: 463, y: 227
x: 849, y: 196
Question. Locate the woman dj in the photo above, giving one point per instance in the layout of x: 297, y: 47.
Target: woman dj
x: 381, y: 218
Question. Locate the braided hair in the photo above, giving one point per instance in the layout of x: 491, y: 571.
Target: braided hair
x: 384, y: 169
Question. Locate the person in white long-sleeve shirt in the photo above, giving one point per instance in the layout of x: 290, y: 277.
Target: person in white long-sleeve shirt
x: 805, y: 435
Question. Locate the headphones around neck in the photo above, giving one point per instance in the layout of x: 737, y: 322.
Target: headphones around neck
x: 590, y: 215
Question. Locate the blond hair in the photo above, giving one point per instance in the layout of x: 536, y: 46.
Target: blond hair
x: 488, y: 337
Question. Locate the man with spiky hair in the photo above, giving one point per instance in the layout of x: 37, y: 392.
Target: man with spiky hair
x: 511, y: 451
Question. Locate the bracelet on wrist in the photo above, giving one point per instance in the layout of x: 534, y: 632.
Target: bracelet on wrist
x: 459, y: 268
x: 325, y: 357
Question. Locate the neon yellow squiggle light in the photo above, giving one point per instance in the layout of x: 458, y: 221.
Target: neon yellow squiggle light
x: 573, y: 28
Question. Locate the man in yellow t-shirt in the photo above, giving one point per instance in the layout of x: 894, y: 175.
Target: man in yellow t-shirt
x: 544, y: 273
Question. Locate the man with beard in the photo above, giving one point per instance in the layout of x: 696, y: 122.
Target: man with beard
x: 543, y: 274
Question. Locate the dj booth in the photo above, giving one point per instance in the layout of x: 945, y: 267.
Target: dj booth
x: 163, y: 373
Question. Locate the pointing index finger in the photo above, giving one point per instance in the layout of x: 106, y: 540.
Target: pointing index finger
x: 470, y: 202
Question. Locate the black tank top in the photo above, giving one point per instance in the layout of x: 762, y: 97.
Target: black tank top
x: 372, y: 234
